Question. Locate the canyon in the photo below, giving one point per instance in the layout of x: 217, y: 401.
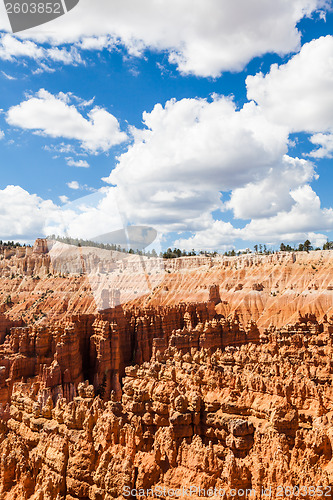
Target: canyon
x: 121, y: 372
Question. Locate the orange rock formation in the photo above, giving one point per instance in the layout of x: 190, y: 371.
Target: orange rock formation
x: 218, y: 377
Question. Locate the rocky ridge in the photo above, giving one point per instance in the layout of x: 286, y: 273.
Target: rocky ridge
x: 62, y: 281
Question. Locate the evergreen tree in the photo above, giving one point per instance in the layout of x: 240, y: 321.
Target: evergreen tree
x: 307, y: 246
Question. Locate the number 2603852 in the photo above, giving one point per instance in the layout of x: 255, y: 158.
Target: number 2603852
x: 33, y: 8
x: 304, y: 491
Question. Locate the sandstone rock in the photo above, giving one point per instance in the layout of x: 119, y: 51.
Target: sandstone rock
x: 173, y: 389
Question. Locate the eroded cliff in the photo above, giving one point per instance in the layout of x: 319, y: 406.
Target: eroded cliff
x: 215, y: 373
x: 246, y: 417
x: 62, y: 281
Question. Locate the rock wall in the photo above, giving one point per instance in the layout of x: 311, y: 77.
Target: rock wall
x: 60, y: 281
x: 268, y: 289
x: 220, y: 376
x: 98, y: 347
x: 251, y: 417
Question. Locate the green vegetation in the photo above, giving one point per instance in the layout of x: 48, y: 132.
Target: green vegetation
x: 263, y: 250
x: 328, y: 245
x: 11, y: 244
x: 176, y: 252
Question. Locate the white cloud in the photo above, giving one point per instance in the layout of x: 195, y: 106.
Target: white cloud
x: 218, y: 35
x: 96, y: 43
x: 73, y: 185
x: 298, y: 94
x: 12, y: 49
x: 325, y: 143
x: 8, y: 77
x: 43, y: 68
x: 219, y: 236
x: 63, y: 55
x: 305, y: 217
x: 273, y: 193
x: 53, y: 116
x: 61, y: 148
x: 301, y: 222
x: 26, y: 216
x: 94, y: 214
x: 188, y: 152
x: 84, y: 187
x: 23, y: 215
x: 191, y: 151
x: 77, y: 163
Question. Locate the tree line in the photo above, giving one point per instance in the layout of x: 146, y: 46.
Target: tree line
x: 176, y: 252
x: 11, y: 244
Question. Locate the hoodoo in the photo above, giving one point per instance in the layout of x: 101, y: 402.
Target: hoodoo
x: 217, y: 374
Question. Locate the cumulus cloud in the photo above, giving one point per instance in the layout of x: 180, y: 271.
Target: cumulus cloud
x: 23, y: 215
x: 218, y: 35
x: 299, y: 94
x: 304, y: 218
x: 27, y: 216
x: 94, y: 214
x: 53, y: 116
x: 63, y: 55
x: 192, y: 152
x: 303, y: 221
x: 219, y: 236
x: 188, y: 152
x: 12, y: 48
x: 273, y: 193
x: 96, y: 43
x: 179, y: 169
x: 61, y: 148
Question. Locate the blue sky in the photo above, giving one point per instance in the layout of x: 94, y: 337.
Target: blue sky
x: 213, y: 123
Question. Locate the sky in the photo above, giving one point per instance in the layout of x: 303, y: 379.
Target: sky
x: 209, y: 120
